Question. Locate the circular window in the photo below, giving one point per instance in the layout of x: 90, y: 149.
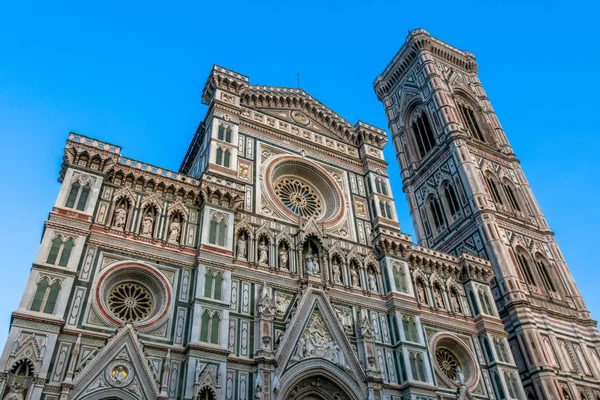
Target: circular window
x: 300, y: 188
x: 299, y: 197
x: 447, y: 362
x: 130, y: 302
x: 133, y: 293
x: 454, y: 361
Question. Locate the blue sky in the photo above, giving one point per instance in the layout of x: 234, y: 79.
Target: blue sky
x: 132, y: 74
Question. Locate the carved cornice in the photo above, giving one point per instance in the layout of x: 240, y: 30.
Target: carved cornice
x: 418, y: 41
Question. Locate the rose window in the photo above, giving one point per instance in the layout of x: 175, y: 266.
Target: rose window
x: 299, y: 197
x: 130, y: 302
x: 448, y: 363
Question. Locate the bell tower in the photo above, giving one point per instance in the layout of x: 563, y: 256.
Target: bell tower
x: 467, y: 193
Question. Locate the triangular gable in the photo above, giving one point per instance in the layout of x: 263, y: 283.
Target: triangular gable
x: 120, y: 366
x: 316, y: 335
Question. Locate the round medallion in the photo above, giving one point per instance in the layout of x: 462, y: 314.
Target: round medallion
x: 300, y: 117
x: 119, y: 373
x: 447, y: 362
x: 130, y: 302
x: 299, y: 197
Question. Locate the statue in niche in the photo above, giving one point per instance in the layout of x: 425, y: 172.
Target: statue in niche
x: 337, y: 272
x: 263, y: 253
x: 283, y: 259
x: 372, y: 282
x: 354, y: 276
x: 421, y: 293
x: 455, y: 302
x: 439, y: 301
x: 174, y: 231
x: 120, y: 217
x: 242, y: 246
x: 101, y: 213
x: 147, y: 224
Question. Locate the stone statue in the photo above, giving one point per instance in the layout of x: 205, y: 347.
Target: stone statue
x: 120, y: 217
x: 460, y: 375
x: 354, y: 275
x: 421, y: 293
x: 439, y: 302
x: 455, y: 304
x: 316, y: 267
x: 283, y: 259
x: 263, y: 253
x: 300, y: 348
x: 147, y: 225
x: 344, y: 317
x: 241, y: 247
x: 373, y: 283
x: 309, y: 263
x: 337, y: 273
x: 174, y: 230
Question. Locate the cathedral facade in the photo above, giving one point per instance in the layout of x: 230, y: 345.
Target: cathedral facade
x: 272, y: 265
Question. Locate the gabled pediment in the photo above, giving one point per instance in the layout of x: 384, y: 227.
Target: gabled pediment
x: 120, y: 367
x: 315, y: 337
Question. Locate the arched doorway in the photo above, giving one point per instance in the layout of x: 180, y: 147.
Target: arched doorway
x: 317, y: 387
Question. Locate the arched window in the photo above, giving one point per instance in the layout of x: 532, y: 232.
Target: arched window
x: 542, y: 268
x: 40, y: 295
x: 499, y: 346
x: 435, y: 211
x: 488, y: 349
x: 45, y: 296
x: 412, y: 358
x: 423, y: 134
x: 485, y: 302
x: 214, y: 331
x: 73, y: 194
x: 400, y: 279
x: 510, y: 195
x: 567, y: 356
x: 511, y: 389
x: 66, y: 253
x: 523, y: 262
x: 451, y: 199
x: 378, y: 185
x: 219, y: 156
x: 467, y: 115
x: 221, y: 132
x: 384, y: 190
x: 473, y: 303
x: 498, y: 384
x: 217, y: 230
x: 490, y: 180
x: 382, y: 208
x: 52, y: 297
x: 78, y: 195
x: 228, y: 135
x: 226, y: 158
x: 205, y: 322
x: 208, y: 284
x: 421, y: 367
x: 60, y: 251
x: 388, y: 210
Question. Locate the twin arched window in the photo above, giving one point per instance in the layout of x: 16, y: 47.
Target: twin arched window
x: 435, y: 210
x: 381, y: 186
x: 484, y: 300
x: 409, y: 326
x: 417, y: 366
x: 45, y: 296
x: 213, y: 285
x: 386, y: 210
x: 217, y: 231
x: 223, y: 157
x: 78, y: 196
x: 424, y: 136
x: 511, y: 383
x: 467, y: 115
x: 224, y: 133
x: 500, y: 349
x: 451, y: 198
x: 60, y: 251
x: 209, y: 331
